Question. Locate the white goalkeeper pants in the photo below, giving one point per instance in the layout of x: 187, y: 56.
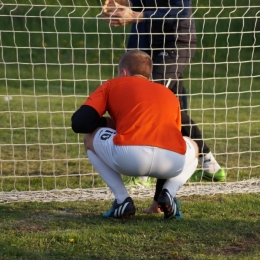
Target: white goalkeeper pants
x: 112, y: 160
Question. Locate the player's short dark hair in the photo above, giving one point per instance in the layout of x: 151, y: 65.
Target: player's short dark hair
x: 137, y: 63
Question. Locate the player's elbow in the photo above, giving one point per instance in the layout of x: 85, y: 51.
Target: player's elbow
x: 82, y: 126
x: 85, y: 120
x: 76, y: 126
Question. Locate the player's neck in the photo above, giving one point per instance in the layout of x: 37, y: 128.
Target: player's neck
x: 140, y: 76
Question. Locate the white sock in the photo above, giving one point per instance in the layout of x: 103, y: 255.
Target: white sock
x: 174, y: 184
x: 209, y: 163
x: 110, y: 177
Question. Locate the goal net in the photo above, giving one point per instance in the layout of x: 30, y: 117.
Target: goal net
x: 53, y: 54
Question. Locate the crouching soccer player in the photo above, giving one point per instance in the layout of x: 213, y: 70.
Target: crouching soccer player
x: 142, y: 136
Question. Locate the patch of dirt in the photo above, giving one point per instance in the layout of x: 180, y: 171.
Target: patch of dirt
x: 31, y: 227
x: 243, y: 245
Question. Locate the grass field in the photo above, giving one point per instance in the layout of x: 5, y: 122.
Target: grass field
x: 214, y: 228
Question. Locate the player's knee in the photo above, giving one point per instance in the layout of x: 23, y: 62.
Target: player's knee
x: 88, y: 141
x: 85, y: 140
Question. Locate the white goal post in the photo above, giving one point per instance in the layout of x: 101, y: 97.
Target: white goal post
x: 54, y: 53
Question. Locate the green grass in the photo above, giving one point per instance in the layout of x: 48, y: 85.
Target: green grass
x: 214, y: 227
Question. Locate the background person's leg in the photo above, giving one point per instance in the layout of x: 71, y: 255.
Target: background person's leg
x: 171, y: 64
x: 184, y: 100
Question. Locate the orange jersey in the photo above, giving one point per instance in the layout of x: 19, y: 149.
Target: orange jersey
x: 144, y: 112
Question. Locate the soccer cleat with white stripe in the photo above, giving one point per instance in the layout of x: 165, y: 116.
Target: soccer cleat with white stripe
x: 169, y: 205
x: 123, y: 210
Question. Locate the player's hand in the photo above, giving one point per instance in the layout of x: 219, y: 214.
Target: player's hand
x: 110, y: 122
x: 153, y: 209
x: 118, y: 15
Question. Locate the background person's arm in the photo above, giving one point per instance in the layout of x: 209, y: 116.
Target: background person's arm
x: 117, y: 15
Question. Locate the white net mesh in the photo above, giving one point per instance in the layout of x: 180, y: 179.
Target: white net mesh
x: 247, y: 186
x: 53, y: 54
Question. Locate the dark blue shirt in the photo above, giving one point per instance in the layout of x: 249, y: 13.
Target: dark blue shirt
x: 163, y: 22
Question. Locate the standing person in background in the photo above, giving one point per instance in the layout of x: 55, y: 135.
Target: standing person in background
x: 142, y: 138
x: 166, y: 31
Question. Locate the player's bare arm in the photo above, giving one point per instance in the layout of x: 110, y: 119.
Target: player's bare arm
x: 120, y: 14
